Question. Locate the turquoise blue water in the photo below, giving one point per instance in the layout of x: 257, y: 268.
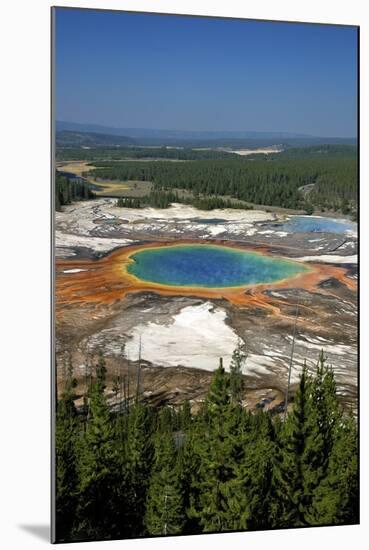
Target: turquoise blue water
x: 209, y: 266
x: 310, y: 224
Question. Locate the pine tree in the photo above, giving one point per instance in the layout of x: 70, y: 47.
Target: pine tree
x: 139, y: 452
x: 188, y: 465
x: 236, y: 377
x: 327, y: 415
x: 218, y: 397
x: 66, y: 433
x: 293, y: 471
x: 102, y: 507
x: 213, y: 447
x: 249, y: 491
x: 336, y: 499
x: 336, y: 493
x: 325, y: 401
x: 165, y: 513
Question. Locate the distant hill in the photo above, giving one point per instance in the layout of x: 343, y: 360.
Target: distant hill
x: 70, y: 134
x: 70, y: 138
x: 174, y: 134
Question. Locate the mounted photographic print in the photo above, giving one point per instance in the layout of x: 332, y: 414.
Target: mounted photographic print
x: 205, y: 321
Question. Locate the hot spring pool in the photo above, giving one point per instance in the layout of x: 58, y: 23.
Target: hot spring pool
x: 318, y: 224
x: 209, y: 266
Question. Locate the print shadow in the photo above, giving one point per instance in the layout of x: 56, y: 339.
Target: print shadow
x: 40, y: 531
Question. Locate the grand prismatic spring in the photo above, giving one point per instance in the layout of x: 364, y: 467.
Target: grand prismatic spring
x: 209, y: 266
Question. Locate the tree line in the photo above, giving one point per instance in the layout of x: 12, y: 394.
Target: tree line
x: 258, y: 181
x: 121, y: 153
x: 127, y: 469
x: 328, y: 150
x: 156, y: 199
x: 68, y: 190
x: 160, y: 198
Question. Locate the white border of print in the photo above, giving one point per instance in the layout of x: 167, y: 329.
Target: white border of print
x: 25, y: 242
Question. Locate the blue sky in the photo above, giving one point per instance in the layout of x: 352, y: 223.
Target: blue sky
x: 187, y: 73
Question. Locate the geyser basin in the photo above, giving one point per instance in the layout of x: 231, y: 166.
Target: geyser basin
x: 209, y: 266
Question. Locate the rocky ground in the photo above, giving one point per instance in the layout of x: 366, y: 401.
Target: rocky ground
x: 181, y: 338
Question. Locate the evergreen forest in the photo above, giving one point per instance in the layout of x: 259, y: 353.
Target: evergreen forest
x: 275, y: 181
x: 127, y: 469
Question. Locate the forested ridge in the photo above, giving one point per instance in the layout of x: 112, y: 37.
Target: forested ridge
x: 133, y: 470
x: 274, y: 182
